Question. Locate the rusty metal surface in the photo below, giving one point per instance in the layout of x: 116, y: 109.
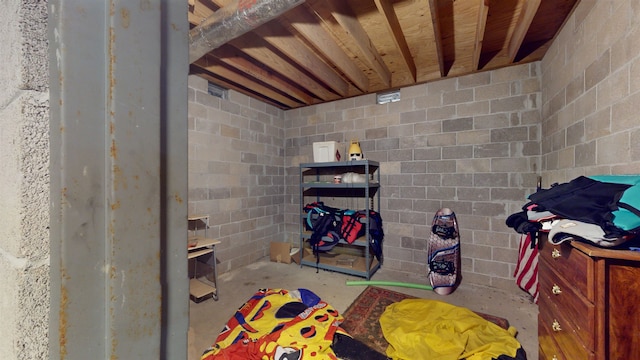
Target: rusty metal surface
x: 116, y: 208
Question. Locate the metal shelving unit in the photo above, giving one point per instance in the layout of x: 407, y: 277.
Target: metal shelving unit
x: 316, y: 184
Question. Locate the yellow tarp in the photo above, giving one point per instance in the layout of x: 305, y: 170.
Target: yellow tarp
x: 419, y: 329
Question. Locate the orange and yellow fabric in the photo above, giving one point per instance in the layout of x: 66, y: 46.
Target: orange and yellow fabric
x: 278, y: 324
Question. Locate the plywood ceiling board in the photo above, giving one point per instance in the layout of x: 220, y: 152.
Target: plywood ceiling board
x: 243, y: 63
x: 385, y: 7
x: 501, y: 21
x: 279, y: 37
x: 325, y: 50
x: 462, y: 44
x: 308, y: 25
x: 214, y: 66
x: 256, y: 48
x: 415, y: 17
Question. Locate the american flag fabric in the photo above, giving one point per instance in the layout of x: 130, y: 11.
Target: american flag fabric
x: 526, y: 272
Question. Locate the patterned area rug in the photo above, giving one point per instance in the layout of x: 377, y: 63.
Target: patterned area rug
x: 361, y: 318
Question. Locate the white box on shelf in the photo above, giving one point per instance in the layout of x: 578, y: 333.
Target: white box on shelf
x: 324, y: 151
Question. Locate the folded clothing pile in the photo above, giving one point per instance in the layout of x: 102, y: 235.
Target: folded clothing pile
x: 603, y: 209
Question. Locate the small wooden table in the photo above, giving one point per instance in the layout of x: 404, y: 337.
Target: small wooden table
x: 200, y: 246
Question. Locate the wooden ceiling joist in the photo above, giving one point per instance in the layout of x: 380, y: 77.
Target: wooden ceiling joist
x: 214, y: 66
x: 435, y: 20
x: 252, y: 45
x: 480, y: 28
x: 196, y: 70
x: 308, y: 27
x: 325, y: 50
x: 276, y: 35
x: 522, y: 26
x: 281, y: 39
x: 198, y: 12
x: 231, y: 21
x: 391, y: 19
x: 235, y: 58
x: 349, y: 22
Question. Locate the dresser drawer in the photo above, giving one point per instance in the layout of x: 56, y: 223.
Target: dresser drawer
x: 558, y: 297
x: 563, y: 343
x: 547, y: 347
x: 572, y: 264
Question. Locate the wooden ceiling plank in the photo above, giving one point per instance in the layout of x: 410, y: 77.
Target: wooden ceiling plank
x: 345, y: 16
x: 480, y: 28
x: 213, y: 66
x: 200, y: 12
x: 253, y: 46
x: 193, y: 19
x: 307, y: 26
x: 522, y: 26
x: 233, y: 57
x: 435, y: 19
x: 485, y: 35
x: 232, y: 21
x: 227, y: 85
x: 275, y: 62
x: 301, y: 55
x: 385, y: 7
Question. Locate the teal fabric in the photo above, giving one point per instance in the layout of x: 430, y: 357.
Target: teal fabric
x: 623, y: 218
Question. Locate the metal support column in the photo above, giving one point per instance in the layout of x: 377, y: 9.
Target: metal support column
x: 118, y: 102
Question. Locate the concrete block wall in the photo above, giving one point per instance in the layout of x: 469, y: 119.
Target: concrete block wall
x: 475, y: 143
x: 591, y: 93
x: 24, y: 180
x: 470, y: 143
x: 236, y: 172
x: 588, y: 99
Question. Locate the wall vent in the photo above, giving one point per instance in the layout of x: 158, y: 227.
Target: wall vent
x: 387, y: 97
x: 217, y: 91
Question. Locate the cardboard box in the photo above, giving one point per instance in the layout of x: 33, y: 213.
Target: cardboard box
x: 295, y: 255
x: 280, y: 252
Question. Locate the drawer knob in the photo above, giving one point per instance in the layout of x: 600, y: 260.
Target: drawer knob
x: 555, y: 253
x: 555, y: 289
x: 555, y: 326
x: 554, y: 357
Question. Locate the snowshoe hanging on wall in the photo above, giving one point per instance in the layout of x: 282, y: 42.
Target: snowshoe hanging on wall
x: 444, y: 252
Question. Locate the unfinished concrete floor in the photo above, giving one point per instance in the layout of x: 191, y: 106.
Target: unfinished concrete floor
x: 208, y: 317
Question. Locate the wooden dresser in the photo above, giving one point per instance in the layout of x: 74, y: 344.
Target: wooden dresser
x: 589, y: 305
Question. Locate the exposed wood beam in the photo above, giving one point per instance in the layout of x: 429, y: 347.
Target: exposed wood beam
x: 232, y: 21
x: 527, y: 13
x: 349, y: 22
x: 254, y: 46
x: 251, y: 45
x: 235, y: 58
x: 228, y: 85
x: 200, y: 11
x: 307, y: 25
x: 391, y: 19
x: 275, y: 34
x: 480, y: 27
x: 212, y: 65
x: 435, y: 20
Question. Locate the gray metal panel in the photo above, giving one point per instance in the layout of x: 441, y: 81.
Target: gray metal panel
x: 118, y: 187
x: 174, y: 70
